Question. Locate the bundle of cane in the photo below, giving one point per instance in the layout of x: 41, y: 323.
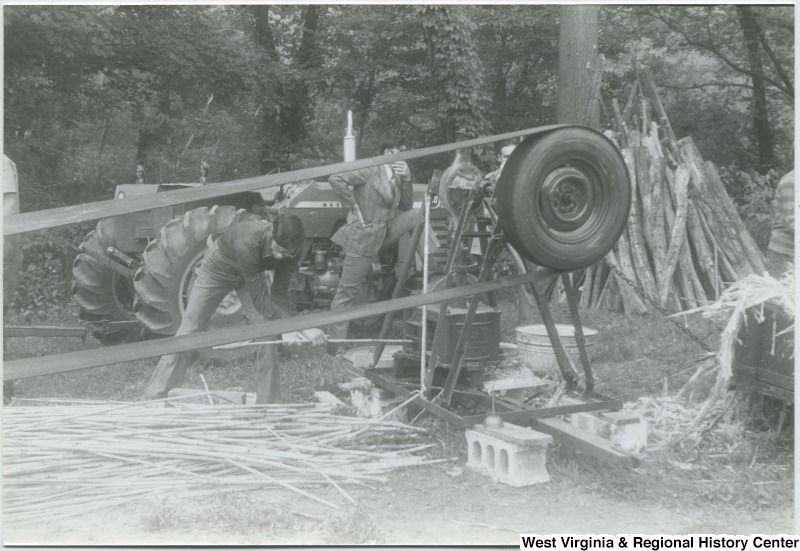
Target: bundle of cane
x: 70, y: 457
x: 749, y: 295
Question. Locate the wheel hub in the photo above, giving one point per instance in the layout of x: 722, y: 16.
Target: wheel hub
x: 565, y: 199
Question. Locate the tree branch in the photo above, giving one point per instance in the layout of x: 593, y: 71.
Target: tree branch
x: 706, y: 85
x: 762, y: 38
x: 718, y: 53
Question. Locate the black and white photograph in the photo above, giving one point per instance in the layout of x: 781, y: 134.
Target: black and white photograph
x: 409, y: 274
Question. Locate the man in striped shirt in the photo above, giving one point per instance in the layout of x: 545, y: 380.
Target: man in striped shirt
x: 780, y: 251
x: 380, y: 200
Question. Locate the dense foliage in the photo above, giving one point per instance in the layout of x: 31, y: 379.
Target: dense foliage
x: 90, y: 91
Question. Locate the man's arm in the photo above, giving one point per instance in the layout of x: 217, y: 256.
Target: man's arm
x: 343, y: 185
x: 282, y: 307
x: 248, y: 253
x: 403, y: 180
x: 279, y: 292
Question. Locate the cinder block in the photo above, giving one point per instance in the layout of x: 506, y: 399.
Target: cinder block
x: 627, y: 432
x: 510, y: 454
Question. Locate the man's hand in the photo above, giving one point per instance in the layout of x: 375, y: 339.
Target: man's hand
x: 316, y: 336
x: 400, y: 168
x: 356, y: 210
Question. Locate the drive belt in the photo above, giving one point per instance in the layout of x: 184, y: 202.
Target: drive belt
x: 62, y: 216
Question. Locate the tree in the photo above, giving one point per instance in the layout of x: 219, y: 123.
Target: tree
x: 761, y: 126
x: 518, y: 48
x: 751, y: 66
x: 578, y: 65
x: 455, y: 70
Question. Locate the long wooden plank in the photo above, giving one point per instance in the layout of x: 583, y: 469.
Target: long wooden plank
x: 85, y: 359
x: 542, y: 413
x: 62, y: 216
x: 584, y: 441
x: 43, y: 331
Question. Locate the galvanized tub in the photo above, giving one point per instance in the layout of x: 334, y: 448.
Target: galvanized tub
x: 536, y: 351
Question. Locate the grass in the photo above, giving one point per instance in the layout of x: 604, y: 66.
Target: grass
x: 736, y: 468
x: 241, y: 513
x: 303, y: 369
x: 247, y: 518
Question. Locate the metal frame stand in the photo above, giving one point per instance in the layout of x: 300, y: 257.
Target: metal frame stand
x: 542, y: 418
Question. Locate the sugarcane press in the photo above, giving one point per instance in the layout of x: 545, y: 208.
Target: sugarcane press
x: 559, y: 205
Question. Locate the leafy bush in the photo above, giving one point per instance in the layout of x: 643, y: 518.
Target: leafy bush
x: 752, y: 192
x: 47, y: 270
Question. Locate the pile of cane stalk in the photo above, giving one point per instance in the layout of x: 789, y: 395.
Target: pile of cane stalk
x: 749, y: 294
x: 67, y: 458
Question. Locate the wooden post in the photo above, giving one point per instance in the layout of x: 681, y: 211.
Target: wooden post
x: 698, y: 239
x: 678, y: 233
x: 636, y: 237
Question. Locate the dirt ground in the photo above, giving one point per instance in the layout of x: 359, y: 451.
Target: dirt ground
x: 426, y: 505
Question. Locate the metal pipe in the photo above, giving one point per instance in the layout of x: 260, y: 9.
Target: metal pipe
x: 423, y: 340
x: 349, y: 146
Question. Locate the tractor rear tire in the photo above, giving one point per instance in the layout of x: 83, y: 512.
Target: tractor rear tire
x: 563, y: 198
x: 169, y: 263
x: 103, y: 295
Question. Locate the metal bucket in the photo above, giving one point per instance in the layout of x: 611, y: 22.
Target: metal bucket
x: 536, y: 351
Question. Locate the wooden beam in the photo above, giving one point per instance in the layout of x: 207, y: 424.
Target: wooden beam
x: 584, y: 441
x: 541, y: 413
x: 43, y: 331
x: 85, y: 359
x: 399, y: 390
x: 63, y: 216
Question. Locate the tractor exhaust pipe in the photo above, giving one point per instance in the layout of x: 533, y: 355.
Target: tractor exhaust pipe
x: 349, y: 140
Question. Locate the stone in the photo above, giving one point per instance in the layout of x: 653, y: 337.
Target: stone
x: 625, y: 431
x: 510, y: 454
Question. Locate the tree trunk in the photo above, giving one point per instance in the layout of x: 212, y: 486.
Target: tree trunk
x: 500, y: 85
x: 269, y: 157
x: 761, y: 126
x: 104, y: 136
x: 263, y: 32
x: 299, y: 112
x: 577, y: 62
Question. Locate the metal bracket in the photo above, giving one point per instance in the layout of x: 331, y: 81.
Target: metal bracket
x: 107, y: 260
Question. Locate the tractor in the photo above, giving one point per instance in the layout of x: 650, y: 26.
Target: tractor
x: 562, y: 201
x: 134, y: 273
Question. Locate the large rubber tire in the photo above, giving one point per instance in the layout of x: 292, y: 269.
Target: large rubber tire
x: 563, y: 198
x: 103, y: 294
x: 169, y: 264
